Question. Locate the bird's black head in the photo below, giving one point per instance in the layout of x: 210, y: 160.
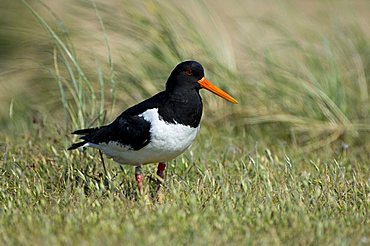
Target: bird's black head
x: 185, y: 76
x: 189, y: 75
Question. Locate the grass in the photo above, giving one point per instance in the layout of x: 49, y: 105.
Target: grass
x: 288, y: 165
x: 261, y: 196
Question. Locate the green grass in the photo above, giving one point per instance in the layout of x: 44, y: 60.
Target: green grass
x: 288, y: 165
x: 215, y: 193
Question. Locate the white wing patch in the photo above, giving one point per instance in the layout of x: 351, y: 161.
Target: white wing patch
x: 167, y: 141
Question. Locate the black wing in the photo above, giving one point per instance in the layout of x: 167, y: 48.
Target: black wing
x: 132, y: 131
x: 129, y: 129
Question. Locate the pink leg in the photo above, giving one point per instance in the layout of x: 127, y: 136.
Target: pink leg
x: 160, y: 172
x: 139, y: 178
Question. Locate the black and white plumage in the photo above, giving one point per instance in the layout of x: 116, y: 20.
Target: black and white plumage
x: 159, y: 128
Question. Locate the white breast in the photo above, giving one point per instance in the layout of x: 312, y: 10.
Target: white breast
x: 167, y: 141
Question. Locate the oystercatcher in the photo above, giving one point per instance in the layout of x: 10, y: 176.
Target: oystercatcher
x: 159, y: 128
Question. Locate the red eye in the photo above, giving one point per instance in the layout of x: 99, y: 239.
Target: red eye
x: 189, y: 72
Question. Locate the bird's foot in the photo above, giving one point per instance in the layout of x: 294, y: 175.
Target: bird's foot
x: 139, y: 179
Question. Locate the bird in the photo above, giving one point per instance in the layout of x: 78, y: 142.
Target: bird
x: 157, y: 129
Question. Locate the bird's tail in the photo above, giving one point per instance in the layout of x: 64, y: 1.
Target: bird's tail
x: 85, y: 133
x: 77, y: 145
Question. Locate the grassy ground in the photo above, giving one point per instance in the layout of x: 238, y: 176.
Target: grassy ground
x: 288, y: 165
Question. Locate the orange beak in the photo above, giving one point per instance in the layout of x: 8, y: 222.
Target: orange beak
x: 212, y: 88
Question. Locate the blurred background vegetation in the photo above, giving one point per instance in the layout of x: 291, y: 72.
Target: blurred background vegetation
x: 300, y: 69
